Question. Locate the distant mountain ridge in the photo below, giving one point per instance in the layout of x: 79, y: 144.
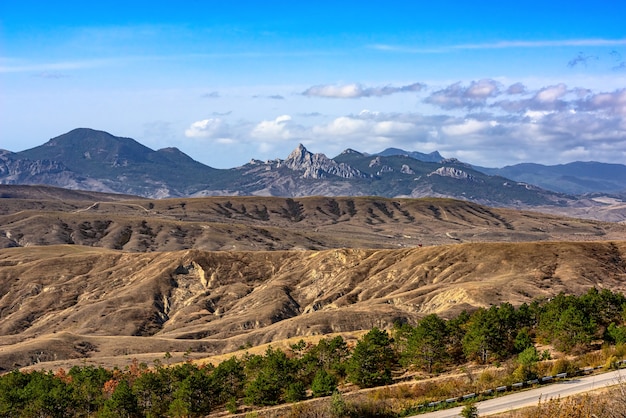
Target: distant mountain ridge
x: 88, y: 159
x: 433, y: 157
x: 573, y: 178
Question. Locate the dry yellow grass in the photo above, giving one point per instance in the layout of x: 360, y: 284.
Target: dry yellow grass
x: 215, y: 302
x: 144, y: 277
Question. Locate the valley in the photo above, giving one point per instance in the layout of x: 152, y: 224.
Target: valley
x: 91, y: 277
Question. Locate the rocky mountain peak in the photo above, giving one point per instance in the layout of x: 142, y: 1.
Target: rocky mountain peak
x: 298, y: 157
x: 351, y: 151
x: 318, y: 166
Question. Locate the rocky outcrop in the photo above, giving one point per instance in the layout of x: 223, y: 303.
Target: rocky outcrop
x: 25, y: 171
x: 13, y: 170
x: 381, y: 168
x: 406, y: 169
x: 318, y: 166
x: 351, y: 151
x: 455, y: 173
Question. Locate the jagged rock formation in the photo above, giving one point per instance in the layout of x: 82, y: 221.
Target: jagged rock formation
x: 318, y: 166
x: 454, y: 173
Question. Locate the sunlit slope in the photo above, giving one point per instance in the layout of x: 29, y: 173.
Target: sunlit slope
x: 219, y: 301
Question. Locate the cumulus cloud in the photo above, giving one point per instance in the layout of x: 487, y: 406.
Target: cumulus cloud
x: 551, y: 94
x: 614, y: 102
x: 212, y: 128
x: 273, y: 130
x: 491, y: 125
x: 355, y: 90
x: 548, y: 98
x: 372, y: 131
x: 468, y: 127
x: 344, y: 126
x: 549, y: 125
x: 457, y: 96
x: 517, y: 88
x: 357, y: 126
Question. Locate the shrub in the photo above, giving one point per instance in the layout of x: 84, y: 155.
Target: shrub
x: 563, y: 365
x: 469, y: 411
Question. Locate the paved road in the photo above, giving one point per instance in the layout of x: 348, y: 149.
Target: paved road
x: 531, y: 397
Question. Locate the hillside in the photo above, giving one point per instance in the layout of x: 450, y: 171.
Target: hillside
x: 86, y: 275
x: 48, y: 216
x: 64, y: 302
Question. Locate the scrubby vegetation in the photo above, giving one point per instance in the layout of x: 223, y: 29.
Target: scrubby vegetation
x: 498, y: 335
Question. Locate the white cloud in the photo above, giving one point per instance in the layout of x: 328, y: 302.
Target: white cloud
x: 457, y: 96
x: 366, y: 126
x: 614, y: 102
x: 343, y: 126
x: 468, y: 127
x: 391, y: 128
x: 551, y: 94
x: 347, y: 91
x: 482, y: 89
x: 355, y: 90
x: 576, y: 154
x: 549, y: 125
x: 213, y: 128
x: 21, y: 67
x: 590, y: 42
x: 277, y: 129
x: 516, y: 88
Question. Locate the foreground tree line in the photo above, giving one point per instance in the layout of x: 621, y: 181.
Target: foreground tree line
x: 571, y: 324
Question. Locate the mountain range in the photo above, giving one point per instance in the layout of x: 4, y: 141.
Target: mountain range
x: 86, y: 159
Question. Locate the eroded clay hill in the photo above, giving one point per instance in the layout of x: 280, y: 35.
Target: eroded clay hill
x: 272, y: 223
x: 70, y: 301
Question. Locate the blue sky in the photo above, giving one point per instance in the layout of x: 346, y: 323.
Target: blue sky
x: 490, y: 83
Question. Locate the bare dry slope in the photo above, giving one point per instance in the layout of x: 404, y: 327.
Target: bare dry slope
x: 270, y: 223
x: 71, y: 301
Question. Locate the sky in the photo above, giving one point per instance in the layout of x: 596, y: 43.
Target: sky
x: 492, y: 83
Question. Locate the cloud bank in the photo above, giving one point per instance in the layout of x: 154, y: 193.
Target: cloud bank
x: 458, y: 96
x: 483, y: 122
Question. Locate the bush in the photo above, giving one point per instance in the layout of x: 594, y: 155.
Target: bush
x: 563, y: 366
x: 338, y: 406
x: 611, y: 363
x: 469, y: 411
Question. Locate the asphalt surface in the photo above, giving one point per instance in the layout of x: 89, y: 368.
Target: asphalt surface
x: 531, y: 397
